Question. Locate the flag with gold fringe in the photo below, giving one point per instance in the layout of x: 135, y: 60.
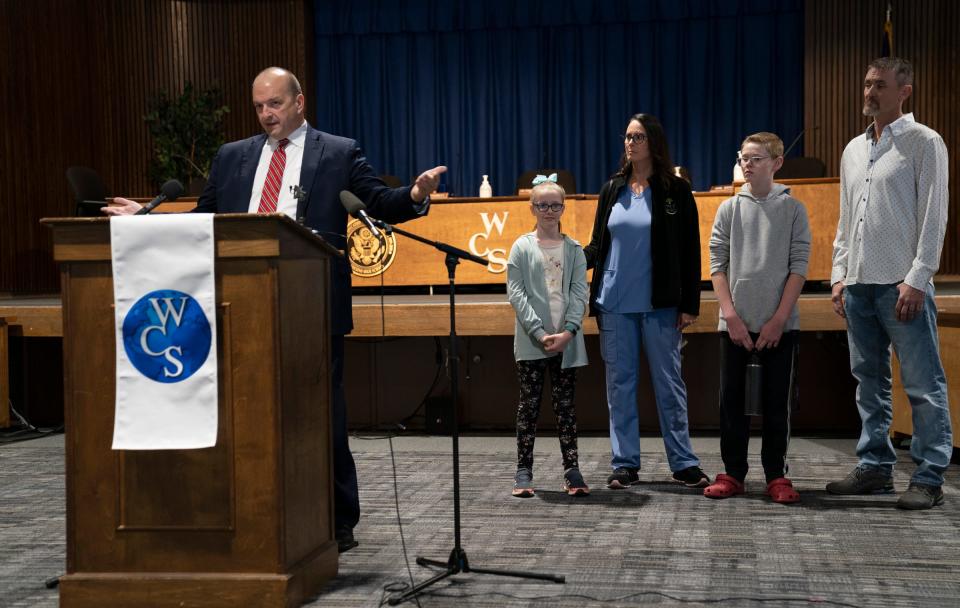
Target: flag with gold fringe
x: 886, y: 47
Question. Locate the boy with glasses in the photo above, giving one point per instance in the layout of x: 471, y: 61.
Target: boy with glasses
x: 760, y: 245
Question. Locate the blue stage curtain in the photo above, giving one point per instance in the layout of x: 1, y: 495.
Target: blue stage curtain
x: 498, y: 87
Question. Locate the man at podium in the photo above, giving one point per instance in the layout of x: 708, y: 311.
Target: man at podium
x: 295, y: 169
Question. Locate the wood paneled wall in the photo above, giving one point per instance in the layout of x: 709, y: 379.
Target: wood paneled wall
x: 842, y: 38
x: 77, y: 77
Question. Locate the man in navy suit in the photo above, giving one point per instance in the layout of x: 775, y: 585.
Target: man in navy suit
x: 261, y: 174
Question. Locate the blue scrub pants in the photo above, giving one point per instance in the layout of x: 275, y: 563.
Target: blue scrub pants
x: 621, y: 336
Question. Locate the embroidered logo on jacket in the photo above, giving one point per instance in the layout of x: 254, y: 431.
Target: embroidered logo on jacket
x: 671, y: 207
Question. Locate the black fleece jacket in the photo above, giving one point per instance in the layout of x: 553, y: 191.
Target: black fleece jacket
x: 674, y: 244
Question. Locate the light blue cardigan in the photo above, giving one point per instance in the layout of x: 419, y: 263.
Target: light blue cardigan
x: 527, y: 291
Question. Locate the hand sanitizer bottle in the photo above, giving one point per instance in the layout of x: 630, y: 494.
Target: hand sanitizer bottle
x: 486, y: 190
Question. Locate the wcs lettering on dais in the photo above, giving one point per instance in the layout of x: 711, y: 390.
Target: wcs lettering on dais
x: 496, y: 256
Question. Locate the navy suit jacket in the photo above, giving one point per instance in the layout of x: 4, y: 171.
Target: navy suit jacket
x: 330, y: 164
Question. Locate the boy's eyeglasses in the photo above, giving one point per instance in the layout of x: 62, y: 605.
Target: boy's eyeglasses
x: 636, y: 138
x: 548, y: 206
x: 745, y: 160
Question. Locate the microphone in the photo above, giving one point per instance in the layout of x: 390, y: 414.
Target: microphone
x: 797, y: 138
x: 301, y: 196
x: 170, y: 191
x: 357, y: 209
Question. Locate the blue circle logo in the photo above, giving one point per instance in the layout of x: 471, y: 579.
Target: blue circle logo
x: 167, y: 336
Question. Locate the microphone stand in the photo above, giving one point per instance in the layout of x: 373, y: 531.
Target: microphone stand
x: 794, y: 142
x: 457, y: 562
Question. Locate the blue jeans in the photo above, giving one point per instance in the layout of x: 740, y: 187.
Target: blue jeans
x: 872, y: 326
x: 621, y: 336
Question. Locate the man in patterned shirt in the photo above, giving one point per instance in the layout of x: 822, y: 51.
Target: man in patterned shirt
x: 893, y: 215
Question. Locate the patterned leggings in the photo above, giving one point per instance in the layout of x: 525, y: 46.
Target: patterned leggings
x: 531, y: 375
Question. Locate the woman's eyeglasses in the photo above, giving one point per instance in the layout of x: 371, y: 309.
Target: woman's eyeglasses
x: 548, y: 206
x: 636, y: 138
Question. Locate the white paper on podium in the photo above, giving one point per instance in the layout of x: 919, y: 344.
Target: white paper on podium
x: 166, y: 331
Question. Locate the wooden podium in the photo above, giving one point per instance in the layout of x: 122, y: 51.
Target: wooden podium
x: 248, y: 522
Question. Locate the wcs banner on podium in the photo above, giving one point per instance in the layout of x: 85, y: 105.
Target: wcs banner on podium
x: 166, y: 331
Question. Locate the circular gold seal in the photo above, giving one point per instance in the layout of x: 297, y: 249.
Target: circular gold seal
x: 369, y: 255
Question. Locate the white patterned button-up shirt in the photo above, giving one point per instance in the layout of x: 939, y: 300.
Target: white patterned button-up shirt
x: 893, y: 206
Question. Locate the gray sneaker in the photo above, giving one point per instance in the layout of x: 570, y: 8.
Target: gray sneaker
x: 523, y: 483
x: 573, y: 483
x: 862, y: 480
x: 920, y: 496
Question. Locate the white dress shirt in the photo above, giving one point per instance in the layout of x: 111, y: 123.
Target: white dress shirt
x: 893, y: 206
x: 291, y: 172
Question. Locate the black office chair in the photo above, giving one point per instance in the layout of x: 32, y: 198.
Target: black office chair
x: 89, y: 192
x: 799, y: 167
x: 564, y: 178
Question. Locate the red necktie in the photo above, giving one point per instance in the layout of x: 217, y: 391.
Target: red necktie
x: 271, y: 187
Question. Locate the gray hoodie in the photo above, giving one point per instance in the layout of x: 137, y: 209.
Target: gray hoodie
x: 758, y: 243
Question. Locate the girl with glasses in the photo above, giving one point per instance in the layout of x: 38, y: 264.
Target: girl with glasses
x: 547, y: 287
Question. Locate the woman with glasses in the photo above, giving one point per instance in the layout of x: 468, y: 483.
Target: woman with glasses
x: 645, y: 252
x: 547, y: 286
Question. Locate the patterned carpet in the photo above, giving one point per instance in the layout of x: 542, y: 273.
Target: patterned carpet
x: 656, y: 543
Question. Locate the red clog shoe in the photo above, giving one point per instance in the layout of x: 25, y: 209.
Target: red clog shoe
x: 724, y: 486
x: 781, y: 490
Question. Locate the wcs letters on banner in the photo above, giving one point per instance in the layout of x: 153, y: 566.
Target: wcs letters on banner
x: 166, y: 333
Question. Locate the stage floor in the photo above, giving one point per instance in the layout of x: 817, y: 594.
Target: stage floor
x: 655, y: 543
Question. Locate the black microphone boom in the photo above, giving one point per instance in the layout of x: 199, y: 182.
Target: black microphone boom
x: 170, y: 191
x: 357, y: 209
x: 797, y: 138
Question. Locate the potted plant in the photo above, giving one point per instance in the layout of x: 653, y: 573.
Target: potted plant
x: 187, y: 131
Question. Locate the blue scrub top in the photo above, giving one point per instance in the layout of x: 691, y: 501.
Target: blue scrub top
x: 628, y: 270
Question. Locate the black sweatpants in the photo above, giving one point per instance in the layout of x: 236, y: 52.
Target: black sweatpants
x: 778, y: 385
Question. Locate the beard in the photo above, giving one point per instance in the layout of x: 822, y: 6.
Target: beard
x: 870, y: 109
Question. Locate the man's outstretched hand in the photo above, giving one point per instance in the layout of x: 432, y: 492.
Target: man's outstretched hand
x: 426, y: 184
